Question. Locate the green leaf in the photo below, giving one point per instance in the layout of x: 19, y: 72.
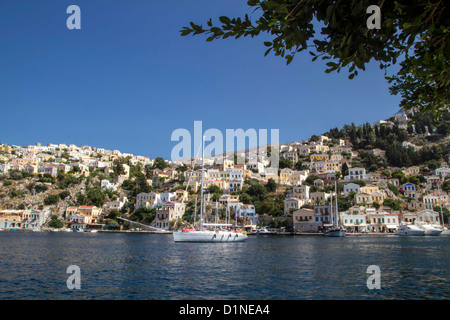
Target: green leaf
x: 289, y: 59
x: 224, y: 20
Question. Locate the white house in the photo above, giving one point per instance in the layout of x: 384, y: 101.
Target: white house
x: 356, y: 174
x: 423, y: 216
x: 351, y: 187
x: 246, y: 211
x: 354, y: 222
x: 442, y: 172
x: 117, y: 204
x: 105, y: 184
x: 256, y: 165
x: 37, y: 218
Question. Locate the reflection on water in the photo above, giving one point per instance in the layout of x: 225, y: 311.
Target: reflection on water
x: 144, y: 266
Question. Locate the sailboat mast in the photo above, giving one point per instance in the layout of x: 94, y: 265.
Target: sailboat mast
x: 336, y: 203
x: 331, y: 207
x: 195, y: 211
x: 201, y: 190
x: 217, y: 218
x: 440, y: 203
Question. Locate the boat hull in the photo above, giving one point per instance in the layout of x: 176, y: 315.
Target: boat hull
x: 409, y: 232
x: 334, y: 233
x: 208, y: 236
x: 432, y: 232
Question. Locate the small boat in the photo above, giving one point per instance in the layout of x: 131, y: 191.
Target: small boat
x: 334, y: 231
x: 265, y: 231
x: 93, y: 231
x: 67, y: 230
x: 80, y: 230
x: 409, y: 230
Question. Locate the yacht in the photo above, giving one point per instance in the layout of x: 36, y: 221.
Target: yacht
x: 209, y: 236
x: 409, y: 230
x: 430, y: 230
x: 203, y: 234
x: 335, y: 230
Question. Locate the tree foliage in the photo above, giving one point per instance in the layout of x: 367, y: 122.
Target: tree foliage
x: 414, y: 31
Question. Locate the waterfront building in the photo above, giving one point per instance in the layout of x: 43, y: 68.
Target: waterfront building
x: 303, y: 220
x: 292, y: 204
x: 247, y: 212
x: 376, y: 221
x: 354, y: 222
x: 22, y: 219
x: 167, y: 212
x: 422, y: 216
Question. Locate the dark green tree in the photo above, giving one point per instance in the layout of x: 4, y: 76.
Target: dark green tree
x: 414, y: 31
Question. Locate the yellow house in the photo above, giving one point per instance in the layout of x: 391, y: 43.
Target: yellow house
x: 14, y: 219
x: 370, y: 189
x: 247, y: 174
x: 89, y: 211
x: 319, y: 197
x: 285, y: 175
x: 367, y: 198
x: 319, y: 157
x: 332, y: 166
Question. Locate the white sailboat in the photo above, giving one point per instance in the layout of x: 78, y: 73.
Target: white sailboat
x: 444, y: 230
x: 335, y: 230
x: 205, y: 235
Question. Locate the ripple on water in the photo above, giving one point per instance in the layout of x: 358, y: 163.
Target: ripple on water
x: 143, y: 266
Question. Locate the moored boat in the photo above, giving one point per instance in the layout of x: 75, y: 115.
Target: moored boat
x: 265, y: 231
x: 409, y: 230
x: 334, y: 232
x: 205, y: 235
x: 430, y: 230
x: 209, y: 236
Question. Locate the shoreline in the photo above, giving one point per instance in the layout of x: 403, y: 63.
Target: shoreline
x: 353, y: 234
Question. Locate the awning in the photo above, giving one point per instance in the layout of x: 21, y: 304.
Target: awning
x: 391, y: 226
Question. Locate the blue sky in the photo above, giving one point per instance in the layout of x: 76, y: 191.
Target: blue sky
x: 127, y: 79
